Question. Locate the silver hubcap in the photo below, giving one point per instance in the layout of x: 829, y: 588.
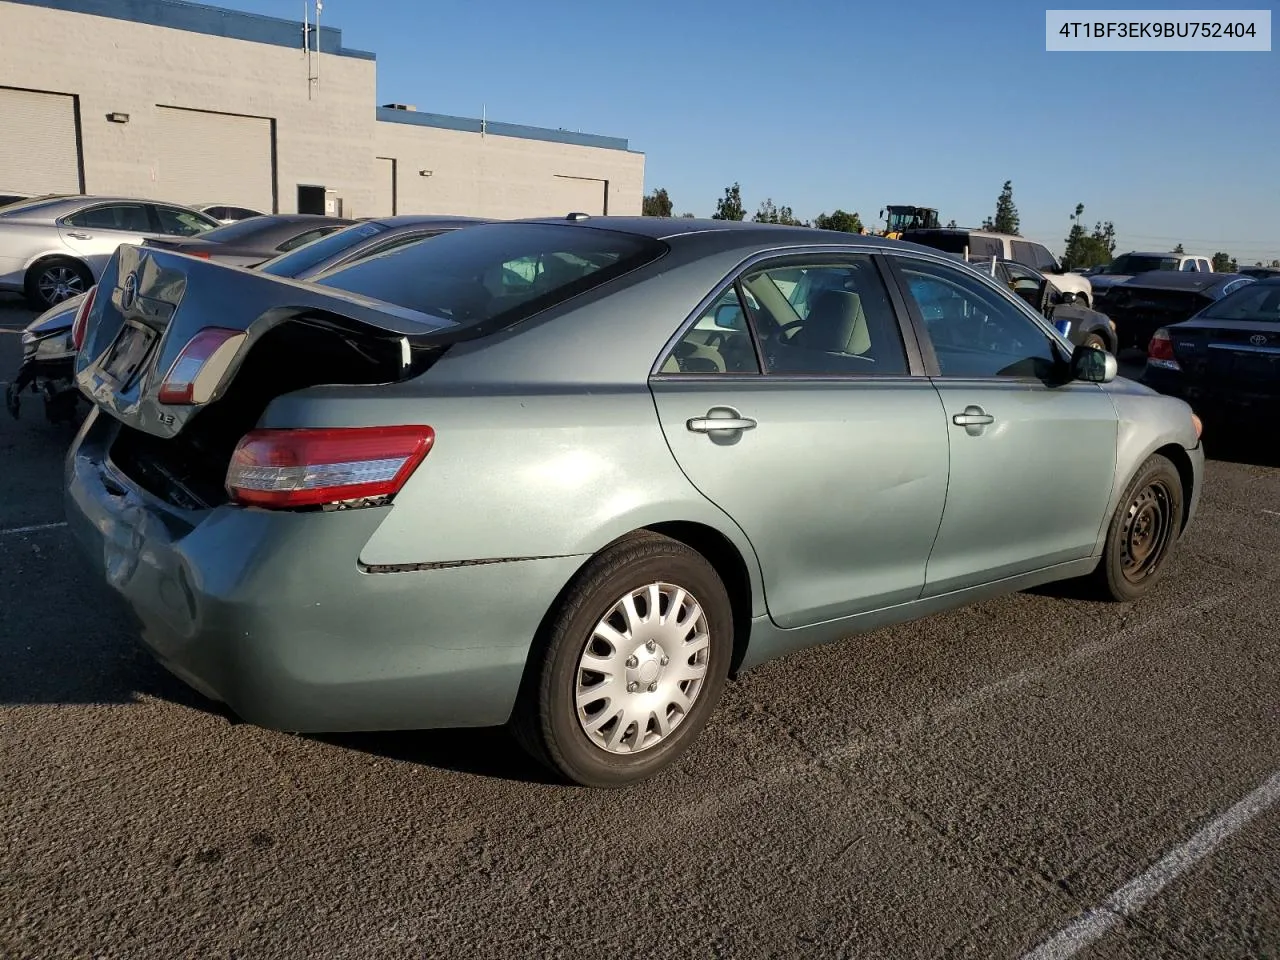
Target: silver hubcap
x: 58, y: 283
x: 642, y: 669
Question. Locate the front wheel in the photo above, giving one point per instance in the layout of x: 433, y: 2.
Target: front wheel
x: 632, y: 665
x: 1094, y: 341
x: 1143, y: 532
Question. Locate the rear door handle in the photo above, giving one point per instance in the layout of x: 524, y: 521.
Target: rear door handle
x: 972, y: 417
x: 721, y: 419
x: 79, y: 236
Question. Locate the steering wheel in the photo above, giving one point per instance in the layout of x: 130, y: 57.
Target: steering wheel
x: 788, y: 330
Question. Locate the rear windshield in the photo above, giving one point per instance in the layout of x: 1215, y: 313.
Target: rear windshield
x: 1254, y: 302
x: 304, y: 258
x: 502, y: 272
x: 1128, y: 263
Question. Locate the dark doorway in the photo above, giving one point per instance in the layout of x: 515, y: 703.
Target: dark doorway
x: 310, y: 199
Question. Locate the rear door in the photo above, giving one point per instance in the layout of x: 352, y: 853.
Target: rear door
x: 794, y: 402
x: 1032, y: 458
x: 93, y: 234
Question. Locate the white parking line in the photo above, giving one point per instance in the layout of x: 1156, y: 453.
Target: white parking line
x: 1133, y: 896
x: 35, y: 528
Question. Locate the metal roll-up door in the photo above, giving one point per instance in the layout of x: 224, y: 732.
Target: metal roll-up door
x: 38, y: 148
x: 213, y: 157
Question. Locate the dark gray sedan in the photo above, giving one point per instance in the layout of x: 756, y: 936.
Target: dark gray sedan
x: 250, y: 242
x: 364, y: 239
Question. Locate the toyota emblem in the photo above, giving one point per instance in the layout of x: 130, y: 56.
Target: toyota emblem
x: 129, y: 292
x: 1258, y: 339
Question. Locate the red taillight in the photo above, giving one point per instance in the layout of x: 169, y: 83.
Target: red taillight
x: 299, y: 468
x: 81, y: 321
x: 202, y: 254
x: 1160, y: 351
x: 197, y: 370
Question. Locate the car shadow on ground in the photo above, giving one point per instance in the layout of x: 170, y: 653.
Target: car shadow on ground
x: 483, y: 752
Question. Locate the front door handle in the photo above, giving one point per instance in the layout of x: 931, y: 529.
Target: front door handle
x: 721, y: 419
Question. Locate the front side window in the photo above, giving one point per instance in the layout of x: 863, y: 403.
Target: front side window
x: 117, y: 216
x: 826, y: 319
x: 182, y: 223
x: 976, y: 333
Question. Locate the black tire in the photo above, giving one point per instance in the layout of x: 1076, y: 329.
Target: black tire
x: 55, y: 279
x: 1095, y: 341
x: 1133, y: 562
x: 546, y: 721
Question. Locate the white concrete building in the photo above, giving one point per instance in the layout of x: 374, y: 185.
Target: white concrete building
x: 191, y: 103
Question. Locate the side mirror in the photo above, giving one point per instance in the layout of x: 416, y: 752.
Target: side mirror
x: 1093, y: 365
x: 728, y: 317
x: 1065, y: 296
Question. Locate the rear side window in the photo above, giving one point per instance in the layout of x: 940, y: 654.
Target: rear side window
x: 295, y: 262
x: 116, y: 216
x: 1032, y: 254
x: 496, y: 273
x: 302, y: 239
x: 986, y: 247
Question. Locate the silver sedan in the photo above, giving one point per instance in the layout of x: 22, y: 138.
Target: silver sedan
x: 52, y: 248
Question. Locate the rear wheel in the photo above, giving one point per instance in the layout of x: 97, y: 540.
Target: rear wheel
x: 1143, y: 532
x: 51, y: 281
x: 632, y: 665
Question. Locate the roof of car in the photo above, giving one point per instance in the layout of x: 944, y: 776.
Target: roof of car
x: 418, y: 220
x: 1181, y: 280
x: 666, y: 228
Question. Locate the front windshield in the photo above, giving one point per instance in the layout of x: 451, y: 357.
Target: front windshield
x: 1131, y: 263
x: 1254, y: 303
x: 304, y: 258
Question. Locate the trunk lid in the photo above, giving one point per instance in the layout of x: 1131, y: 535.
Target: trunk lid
x: 152, y: 302
x: 1242, y: 355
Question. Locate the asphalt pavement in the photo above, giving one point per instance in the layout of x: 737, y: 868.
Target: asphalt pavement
x: 1040, y: 775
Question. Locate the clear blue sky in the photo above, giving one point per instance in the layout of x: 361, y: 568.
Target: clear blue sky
x: 821, y: 104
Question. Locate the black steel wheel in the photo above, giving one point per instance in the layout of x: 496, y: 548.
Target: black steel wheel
x: 1143, y: 532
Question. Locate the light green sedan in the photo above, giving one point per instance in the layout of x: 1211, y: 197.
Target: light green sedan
x: 572, y: 474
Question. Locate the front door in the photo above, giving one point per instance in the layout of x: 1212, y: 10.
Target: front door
x: 1033, y: 458
x: 799, y: 418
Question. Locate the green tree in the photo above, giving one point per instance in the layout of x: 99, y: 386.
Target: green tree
x: 1073, y: 256
x: 1178, y: 249
x: 687, y: 216
x: 656, y: 204
x: 768, y: 213
x: 839, y: 220
x: 729, y: 207
x: 1275, y: 263
x: 988, y: 224
x: 951, y: 224
x: 1006, y: 218
x: 1222, y: 263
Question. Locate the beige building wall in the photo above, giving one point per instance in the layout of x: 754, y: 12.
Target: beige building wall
x: 331, y: 138
x: 489, y: 175
x: 127, y: 67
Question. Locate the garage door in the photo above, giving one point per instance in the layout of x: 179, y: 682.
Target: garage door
x: 576, y: 195
x: 213, y: 157
x: 384, y: 187
x: 38, y: 151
